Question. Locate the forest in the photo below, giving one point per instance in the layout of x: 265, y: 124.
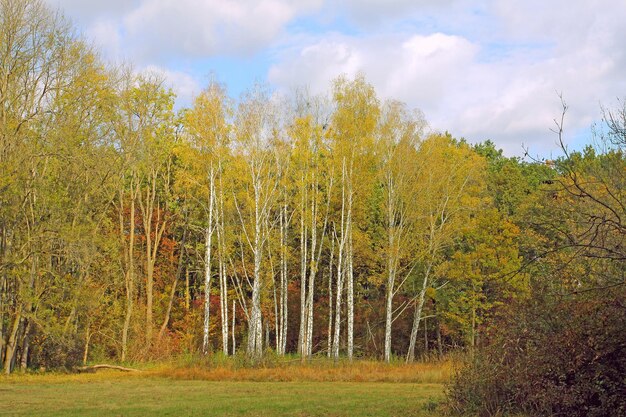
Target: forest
x: 334, y: 226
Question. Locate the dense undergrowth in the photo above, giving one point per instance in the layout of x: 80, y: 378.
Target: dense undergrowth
x: 562, y: 357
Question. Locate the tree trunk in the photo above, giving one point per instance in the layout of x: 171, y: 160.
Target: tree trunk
x: 426, y: 337
x: 25, y: 346
x: 86, y: 347
x: 350, y: 279
x: 222, y: 263
x: 153, y: 231
x: 303, y: 269
x: 12, y: 342
x: 179, y: 271
x: 282, y: 305
x: 255, y: 345
x: 187, y: 290
x: 473, y: 334
x: 389, y: 313
x: 233, y: 327
x: 438, y: 330
x: 147, y: 226
x: 3, y: 295
x: 340, y: 265
x: 94, y: 368
x: 255, y: 336
x: 207, y: 267
x: 168, y: 311
x: 419, y: 305
x: 267, y: 335
x: 392, y: 262
x: 330, y: 297
x: 224, y: 305
x: 308, y: 344
x: 129, y: 277
x: 127, y: 317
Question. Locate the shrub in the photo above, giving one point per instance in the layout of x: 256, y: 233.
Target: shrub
x: 549, y: 357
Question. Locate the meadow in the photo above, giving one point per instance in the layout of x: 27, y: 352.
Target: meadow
x: 323, y: 389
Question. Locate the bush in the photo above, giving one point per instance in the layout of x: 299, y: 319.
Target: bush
x: 549, y: 357
x: 50, y: 352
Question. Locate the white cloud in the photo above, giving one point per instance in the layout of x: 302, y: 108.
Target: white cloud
x: 370, y: 12
x: 88, y: 10
x: 500, y: 86
x: 107, y: 35
x: 481, y: 69
x: 562, y: 21
x: 417, y: 68
x: 162, y: 30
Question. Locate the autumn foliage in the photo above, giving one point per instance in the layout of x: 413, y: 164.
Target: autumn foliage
x: 324, y: 228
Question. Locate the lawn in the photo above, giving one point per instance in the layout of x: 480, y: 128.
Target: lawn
x: 114, y: 394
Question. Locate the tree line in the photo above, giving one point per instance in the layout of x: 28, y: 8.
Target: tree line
x: 333, y: 225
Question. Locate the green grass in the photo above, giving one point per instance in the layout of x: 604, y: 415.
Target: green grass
x: 110, y: 394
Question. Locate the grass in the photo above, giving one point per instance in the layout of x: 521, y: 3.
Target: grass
x: 315, y: 371
x: 316, y: 389
x: 163, y: 397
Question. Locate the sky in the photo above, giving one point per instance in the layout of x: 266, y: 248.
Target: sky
x: 479, y: 69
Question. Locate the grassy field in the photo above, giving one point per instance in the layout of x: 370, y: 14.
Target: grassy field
x: 362, y: 390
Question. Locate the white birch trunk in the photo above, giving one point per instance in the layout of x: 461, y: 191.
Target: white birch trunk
x: 388, y: 313
x: 281, y: 330
x: 308, y: 340
x: 285, y: 285
x: 350, y: 279
x: 419, y: 306
x: 255, y: 331
x: 330, y: 298
x: 340, y: 265
x: 223, y: 295
x: 303, y: 268
x: 437, y: 224
x: 222, y: 273
x: 278, y: 300
x: 225, y: 320
x: 207, y: 266
x: 393, y: 237
x: 221, y: 230
x: 276, y: 319
x: 233, y: 327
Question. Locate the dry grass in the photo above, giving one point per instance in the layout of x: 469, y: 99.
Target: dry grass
x: 315, y: 371
x: 284, y: 370
x: 65, y: 377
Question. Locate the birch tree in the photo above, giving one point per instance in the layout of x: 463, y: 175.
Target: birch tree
x: 208, y: 126
x: 353, y: 123
x: 284, y: 213
x: 398, y: 141
x: 314, y: 186
x: 253, y: 134
x: 450, y: 189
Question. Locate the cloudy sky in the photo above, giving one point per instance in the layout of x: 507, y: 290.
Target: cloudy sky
x: 481, y: 69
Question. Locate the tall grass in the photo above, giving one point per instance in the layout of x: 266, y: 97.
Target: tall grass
x: 293, y: 369
x: 271, y: 368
